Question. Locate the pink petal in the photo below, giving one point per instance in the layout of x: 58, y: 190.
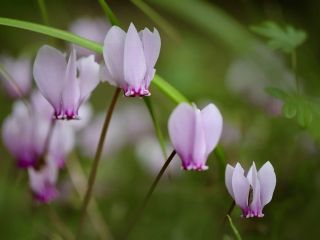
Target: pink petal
x: 71, y: 90
x: 228, y: 179
x: 48, y: 71
x: 181, y: 131
x: 255, y: 184
x: 212, y: 122
x: 151, y: 46
x: 241, y: 187
x: 267, y: 178
x: 134, y: 60
x: 88, y: 76
x: 113, y: 53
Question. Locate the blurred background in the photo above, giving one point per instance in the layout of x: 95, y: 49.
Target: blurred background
x: 209, y: 54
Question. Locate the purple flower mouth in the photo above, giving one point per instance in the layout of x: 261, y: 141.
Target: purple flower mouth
x: 47, y: 194
x: 141, y: 92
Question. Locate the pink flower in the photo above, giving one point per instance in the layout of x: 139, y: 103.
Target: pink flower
x: 59, y: 82
x: 43, y: 182
x: 130, y: 59
x: 20, y: 71
x: 253, y: 191
x: 195, y: 133
x: 24, y: 133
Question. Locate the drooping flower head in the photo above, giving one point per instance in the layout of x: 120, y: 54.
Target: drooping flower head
x: 43, y: 182
x: 59, y: 82
x: 195, y: 133
x: 253, y: 191
x: 20, y: 74
x: 130, y: 59
x: 25, y: 132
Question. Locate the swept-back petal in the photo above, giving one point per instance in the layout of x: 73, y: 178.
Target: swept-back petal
x: 134, y: 60
x: 48, y: 71
x: 88, y: 76
x: 71, y: 90
x: 181, y: 131
x: 212, y: 123
x: 228, y: 179
x: 255, y: 204
x: 241, y: 187
x: 267, y: 178
x: 113, y: 53
x: 151, y: 46
x: 199, y: 155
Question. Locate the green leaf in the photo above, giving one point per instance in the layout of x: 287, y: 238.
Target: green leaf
x: 289, y: 108
x: 156, y: 126
x: 234, y: 229
x: 168, y: 90
x: 53, y: 32
x: 157, y: 18
x: 276, y: 92
x: 284, y: 38
x: 304, y: 114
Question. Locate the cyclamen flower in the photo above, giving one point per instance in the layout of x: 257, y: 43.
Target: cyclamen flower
x: 20, y: 71
x: 59, y: 82
x: 253, y: 191
x: 43, y: 182
x: 195, y: 133
x: 25, y: 131
x: 130, y: 59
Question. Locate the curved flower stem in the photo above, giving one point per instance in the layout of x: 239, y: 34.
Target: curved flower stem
x: 233, y: 204
x: 96, y: 160
x: 43, y: 11
x: 148, y: 195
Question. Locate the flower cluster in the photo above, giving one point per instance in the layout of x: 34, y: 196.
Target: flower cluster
x: 40, y: 141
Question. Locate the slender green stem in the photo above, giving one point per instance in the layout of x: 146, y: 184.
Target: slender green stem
x: 233, y: 204
x: 158, y: 19
x: 80, y: 182
x: 294, y: 69
x: 148, y: 195
x: 43, y: 11
x: 109, y: 13
x: 96, y: 161
x: 234, y: 229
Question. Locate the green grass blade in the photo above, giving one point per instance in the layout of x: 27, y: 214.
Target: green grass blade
x: 53, y: 32
x: 157, y: 18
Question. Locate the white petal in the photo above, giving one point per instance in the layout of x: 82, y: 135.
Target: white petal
x: 267, y: 178
x: 134, y: 60
x: 48, y: 70
x: 113, y: 53
x: 240, y: 186
x: 88, y: 76
x: 212, y: 122
x: 228, y: 179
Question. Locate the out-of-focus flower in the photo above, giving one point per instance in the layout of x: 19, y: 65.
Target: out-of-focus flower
x: 94, y: 29
x: 130, y: 59
x: 25, y: 134
x: 150, y: 155
x: 126, y: 124
x: 18, y: 136
x: 59, y: 82
x: 20, y: 73
x: 253, y: 191
x: 43, y: 182
x: 195, y: 133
